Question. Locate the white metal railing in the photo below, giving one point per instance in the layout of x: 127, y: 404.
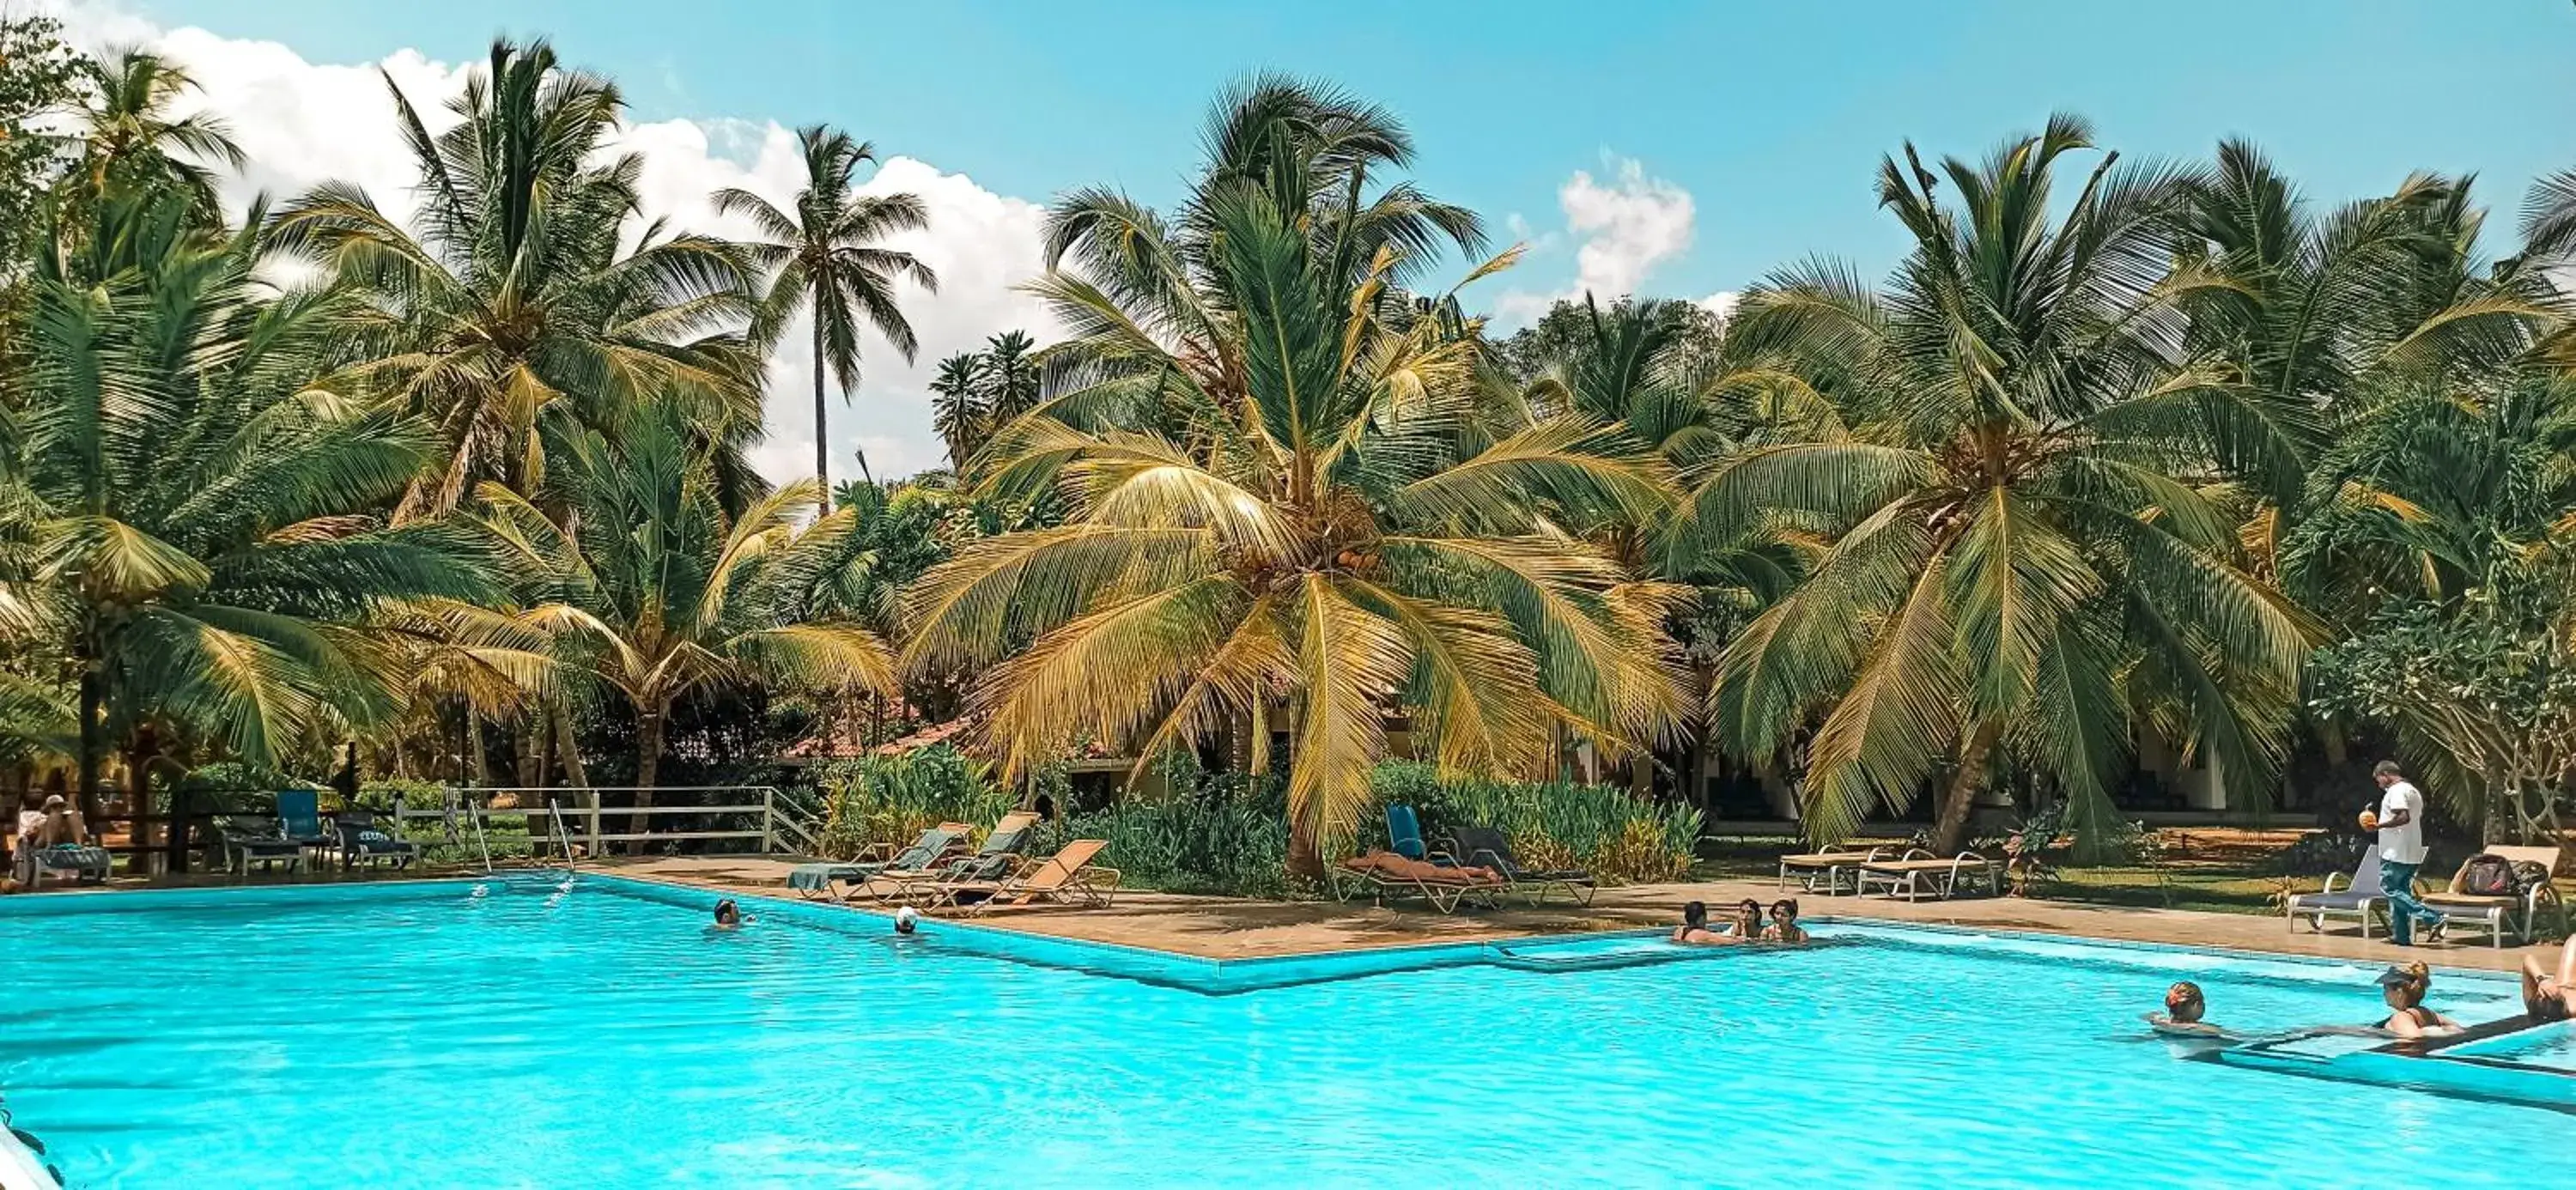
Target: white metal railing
x: 765, y: 819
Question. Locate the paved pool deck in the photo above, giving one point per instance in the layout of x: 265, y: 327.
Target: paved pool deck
x: 1231, y: 928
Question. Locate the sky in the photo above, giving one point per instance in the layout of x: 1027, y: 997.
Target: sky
x: 1676, y: 149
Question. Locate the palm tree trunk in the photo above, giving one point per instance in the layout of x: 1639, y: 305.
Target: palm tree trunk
x: 93, y: 745
x: 567, y: 746
x: 648, y: 766
x: 1949, y: 831
x: 822, y: 431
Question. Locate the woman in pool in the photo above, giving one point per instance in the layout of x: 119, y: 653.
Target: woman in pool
x: 1747, y: 926
x: 1694, y: 929
x: 728, y: 915
x: 1784, y: 923
x: 2550, y: 997
x: 2402, y: 988
x: 2184, y: 1006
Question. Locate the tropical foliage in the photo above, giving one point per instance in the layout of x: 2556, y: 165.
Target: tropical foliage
x: 2119, y: 458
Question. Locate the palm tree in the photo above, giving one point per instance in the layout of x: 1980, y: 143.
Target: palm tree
x: 656, y: 592
x: 199, y: 529
x: 826, y: 258
x: 1011, y: 375
x: 1322, y: 543
x: 958, y: 413
x: 2011, y: 567
x: 521, y: 300
x: 128, y: 135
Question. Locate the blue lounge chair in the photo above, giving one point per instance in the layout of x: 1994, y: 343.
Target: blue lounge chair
x: 84, y: 863
x: 2361, y: 896
x: 814, y: 881
x: 299, y: 819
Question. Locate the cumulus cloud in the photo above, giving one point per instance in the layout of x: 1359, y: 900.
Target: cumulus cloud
x: 303, y: 122
x: 1623, y: 228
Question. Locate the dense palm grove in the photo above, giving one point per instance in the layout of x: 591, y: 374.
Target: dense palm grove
x: 2121, y: 453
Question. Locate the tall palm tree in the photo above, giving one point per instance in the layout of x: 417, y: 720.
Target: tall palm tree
x: 200, y: 530
x: 2011, y: 567
x: 958, y: 413
x: 827, y: 259
x: 1011, y: 375
x: 526, y: 294
x: 1318, y: 543
x: 657, y: 592
x: 129, y: 134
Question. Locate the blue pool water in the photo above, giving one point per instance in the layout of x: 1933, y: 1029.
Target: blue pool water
x: 426, y: 1037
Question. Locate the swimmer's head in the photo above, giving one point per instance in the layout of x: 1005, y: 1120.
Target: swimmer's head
x: 1784, y: 910
x: 2404, y: 984
x: 1695, y: 915
x: 728, y: 913
x: 2184, y: 1004
x: 906, y: 919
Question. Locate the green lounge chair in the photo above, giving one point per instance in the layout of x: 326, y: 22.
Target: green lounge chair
x: 814, y: 881
x: 246, y: 841
x: 360, y: 838
x: 993, y: 861
x: 1486, y: 847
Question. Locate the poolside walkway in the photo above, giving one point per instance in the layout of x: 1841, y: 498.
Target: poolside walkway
x: 1227, y: 928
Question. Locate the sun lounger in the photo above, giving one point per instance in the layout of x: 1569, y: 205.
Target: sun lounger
x: 1920, y: 873
x: 83, y: 863
x: 246, y: 841
x: 1827, y: 871
x: 1067, y: 876
x: 299, y: 820
x: 1486, y: 847
x: 2497, y: 914
x: 2360, y: 898
x: 994, y: 861
x: 1404, y: 837
x: 815, y: 881
x: 1384, y: 874
x: 359, y: 837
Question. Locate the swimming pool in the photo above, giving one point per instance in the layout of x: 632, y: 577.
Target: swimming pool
x: 420, y: 1035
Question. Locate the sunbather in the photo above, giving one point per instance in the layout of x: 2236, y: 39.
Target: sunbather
x: 2402, y: 987
x: 1694, y: 929
x: 2550, y: 997
x: 1784, y: 923
x: 2184, y: 1008
x: 56, y: 825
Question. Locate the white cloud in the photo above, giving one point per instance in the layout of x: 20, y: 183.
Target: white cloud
x: 1623, y: 228
x: 302, y: 122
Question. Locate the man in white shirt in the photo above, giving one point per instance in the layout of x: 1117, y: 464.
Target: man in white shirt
x: 2401, y: 851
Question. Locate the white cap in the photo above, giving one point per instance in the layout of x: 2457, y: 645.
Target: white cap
x: 907, y: 915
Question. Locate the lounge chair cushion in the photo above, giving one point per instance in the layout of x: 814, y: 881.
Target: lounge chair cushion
x: 73, y: 857
x: 818, y: 877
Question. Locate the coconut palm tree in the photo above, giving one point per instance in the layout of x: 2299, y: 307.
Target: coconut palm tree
x: 1315, y: 539
x: 129, y: 135
x: 199, y: 530
x: 657, y: 592
x: 2011, y: 568
x: 826, y: 259
x: 527, y: 294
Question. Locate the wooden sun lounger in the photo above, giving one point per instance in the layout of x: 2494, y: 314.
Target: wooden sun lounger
x: 999, y: 855
x: 1063, y: 878
x: 1826, y: 871
x: 1920, y: 873
x: 1385, y: 873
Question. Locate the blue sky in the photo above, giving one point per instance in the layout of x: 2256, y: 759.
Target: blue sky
x: 1770, y: 115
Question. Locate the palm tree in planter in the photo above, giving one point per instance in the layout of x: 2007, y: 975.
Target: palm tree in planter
x: 655, y: 593
x: 827, y: 259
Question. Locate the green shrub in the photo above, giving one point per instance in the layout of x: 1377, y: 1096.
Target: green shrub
x: 889, y: 800
x: 447, y: 840
x: 1619, y: 836
x: 1205, y: 833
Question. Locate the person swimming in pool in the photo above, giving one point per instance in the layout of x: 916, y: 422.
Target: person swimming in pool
x: 1694, y: 929
x: 1784, y: 923
x: 728, y: 915
x: 907, y: 921
x: 2184, y: 1008
x: 2402, y: 988
x: 1747, y: 926
x: 2550, y: 997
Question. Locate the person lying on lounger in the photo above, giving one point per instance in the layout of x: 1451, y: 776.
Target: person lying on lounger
x: 2184, y: 1008
x: 1784, y: 923
x: 2550, y: 997
x: 1694, y: 929
x: 2402, y: 987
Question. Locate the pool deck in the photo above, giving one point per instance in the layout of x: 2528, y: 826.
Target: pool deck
x: 1229, y: 928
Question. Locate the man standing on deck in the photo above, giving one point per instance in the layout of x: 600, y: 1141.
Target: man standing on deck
x: 2400, y: 822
